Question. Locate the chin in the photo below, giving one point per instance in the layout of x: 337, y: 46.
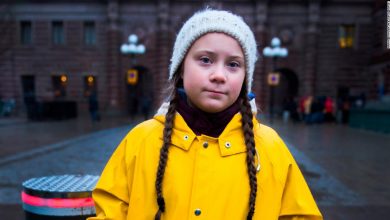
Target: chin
x: 213, y: 108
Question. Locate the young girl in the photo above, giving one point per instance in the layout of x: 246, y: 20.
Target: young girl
x: 204, y: 155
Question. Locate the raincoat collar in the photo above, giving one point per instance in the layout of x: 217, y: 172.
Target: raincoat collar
x: 230, y: 142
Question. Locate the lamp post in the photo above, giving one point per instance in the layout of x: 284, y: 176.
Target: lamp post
x: 275, y: 51
x: 133, y: 48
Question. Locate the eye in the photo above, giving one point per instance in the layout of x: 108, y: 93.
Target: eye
x: 234, y: 64
x: 205, y: 60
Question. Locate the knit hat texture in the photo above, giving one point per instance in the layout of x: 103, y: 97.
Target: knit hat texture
x: 210, y: 20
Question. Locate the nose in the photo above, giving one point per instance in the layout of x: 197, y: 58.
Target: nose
x: 218, y: 74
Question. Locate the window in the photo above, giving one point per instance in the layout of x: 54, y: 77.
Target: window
x: 89, y: 33
x: 25, y: 32
x: 89, y: 85
x: 58, y: 32
x: 59, y: 85
x: 346, y: 36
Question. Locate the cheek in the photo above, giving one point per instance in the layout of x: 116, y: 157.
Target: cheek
x: 192, y: 78
x: 189, y: 83
x: 236, y: 85
x: 237, y: 90
x: 186, y: 73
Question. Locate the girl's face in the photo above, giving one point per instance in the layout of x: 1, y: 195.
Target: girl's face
x: 214, y: 72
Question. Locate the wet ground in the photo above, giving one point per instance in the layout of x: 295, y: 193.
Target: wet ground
x: 355, y: 161
x: 347, y: 169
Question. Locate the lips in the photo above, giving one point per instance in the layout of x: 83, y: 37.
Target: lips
x: 215, y: 91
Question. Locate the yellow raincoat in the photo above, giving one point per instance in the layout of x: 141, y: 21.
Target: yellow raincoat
x: 205, y: 177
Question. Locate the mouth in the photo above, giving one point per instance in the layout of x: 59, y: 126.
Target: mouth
x: 215, y: 91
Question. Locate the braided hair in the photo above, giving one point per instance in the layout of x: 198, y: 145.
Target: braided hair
x: 247, y: 126
x: 170, y: 116
x: 167, y: 134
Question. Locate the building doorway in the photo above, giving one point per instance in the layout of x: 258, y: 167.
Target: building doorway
x: 139, y: 95
x: 29, y: 97
x: 287, y: 90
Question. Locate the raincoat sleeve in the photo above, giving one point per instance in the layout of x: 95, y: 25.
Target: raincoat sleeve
x: 297, y: 201
x: 111, y: 194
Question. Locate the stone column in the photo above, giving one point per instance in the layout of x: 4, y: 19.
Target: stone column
x: 260, y: 75
x: 115, y: 79
x: 310, y: 54
x: 163, y: 52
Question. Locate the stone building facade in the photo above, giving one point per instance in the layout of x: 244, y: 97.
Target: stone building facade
x: 63, y: 50
x: 380, y: 59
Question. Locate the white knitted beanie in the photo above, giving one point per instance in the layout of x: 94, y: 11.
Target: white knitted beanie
x: 210, y: 20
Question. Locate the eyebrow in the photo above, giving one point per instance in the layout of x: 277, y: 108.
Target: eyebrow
x: 213, y: 54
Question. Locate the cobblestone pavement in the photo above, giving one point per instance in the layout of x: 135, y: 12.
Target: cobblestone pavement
x: 349, y: 173
x: 347, y: 169
x: 18, y: 134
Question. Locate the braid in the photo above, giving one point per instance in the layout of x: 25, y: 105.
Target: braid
x: 247, y: 125
x: 169, y: 118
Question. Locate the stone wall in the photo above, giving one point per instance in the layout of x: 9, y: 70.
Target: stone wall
x: 308, y: 30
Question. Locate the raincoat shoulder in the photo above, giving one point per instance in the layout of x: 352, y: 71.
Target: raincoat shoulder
x: 113, y: 191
